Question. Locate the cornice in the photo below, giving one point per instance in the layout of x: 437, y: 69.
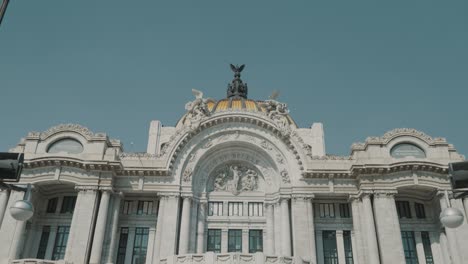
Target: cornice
x: 100, y: 165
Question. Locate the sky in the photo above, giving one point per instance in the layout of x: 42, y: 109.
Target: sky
x: 359, y: 67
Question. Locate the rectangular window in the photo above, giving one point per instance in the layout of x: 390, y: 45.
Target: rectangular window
x: 403, y: 209
x: 255, y: 241
x: 326, y: 210
x: 255, y: 209
x: 235, y: 240
x: 420, y: 212
x: 215, y: 208
x: 60, y: 242
x: 344, y: 210
x: 214, y: 240
x: 348, y: 247
x: 235, y: 209
x: 140, y: 245
x: 426, y: 241
x: 127, y: 207
x: 145, y: 207
x: 52, y: 205
x: 68, y: 204
x: 330, y: 252
x: 41, y: 251
x: 122, y: 250
x: 409, y: 247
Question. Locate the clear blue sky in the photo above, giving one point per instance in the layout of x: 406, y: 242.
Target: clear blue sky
x: 360, y: 67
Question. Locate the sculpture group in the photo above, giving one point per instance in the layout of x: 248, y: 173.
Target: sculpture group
x: 235, y: 179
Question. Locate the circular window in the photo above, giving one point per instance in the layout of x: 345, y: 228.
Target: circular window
x: 68, y: 145
x: 407, y: 150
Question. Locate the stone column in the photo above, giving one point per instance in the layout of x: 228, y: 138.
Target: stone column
x: 170, y: 229
x: 11, y: 231
x: 4, y: 194
x: 115, y: 228
x: 451, y: 235
x: 51, y: 242
x: 465, y: 204
x: 436, y: 247
x: 159, y: 227
x: 130, y: 242
x: 302, y: 226
x: 285, y: 228
x: 16, y: 243
x: 371, y: 237
x: 444, y: 248
x: 310, y: 213
x: 340, y: 246
x: 245, y: 241
x: 320, y: 257
x: 388, y: 229
x: 100, y: 229
x: 270, y: 231
x: 358, y: 230
x: 185, y: 226
x: 81, y: 229
x: 419, y: 248
x: 201, y: 227
x: 224, y: 240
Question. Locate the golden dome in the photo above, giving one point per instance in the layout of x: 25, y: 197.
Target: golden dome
x: 235, y: 104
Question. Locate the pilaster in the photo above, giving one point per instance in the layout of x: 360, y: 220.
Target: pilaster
x: 4, y: 194
x: 169, y: 232
x: 340, y: 246
x: 100, y: 229
x: 371, y: 235
x: 81, y: 229
x: 11, y: 231
x: 185, y: 226
x: 419, y: 248
x: 285, y: 228
x: 115, y: 228
x: 358, y: 233
x: 388, y: 228
x: 301, y: 223
x: 201, y: 226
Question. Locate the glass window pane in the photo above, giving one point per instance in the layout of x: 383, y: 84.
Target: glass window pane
x: 43, y: 242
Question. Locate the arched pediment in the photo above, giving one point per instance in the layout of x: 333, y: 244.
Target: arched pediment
x: 245, y: 144
x: 184, y: 136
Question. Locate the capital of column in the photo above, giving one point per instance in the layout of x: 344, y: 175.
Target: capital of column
x: 302, y: 197
x: 106, y: 189
x: 354, y: 198
x: 86, y: 188
x: 385, y: 193
x: 171, y: 195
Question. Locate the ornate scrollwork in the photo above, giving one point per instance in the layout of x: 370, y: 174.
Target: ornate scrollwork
x: 285, y: 176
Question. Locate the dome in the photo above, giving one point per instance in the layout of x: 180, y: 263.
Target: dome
x: 236, y: 101
x: 233, y: 104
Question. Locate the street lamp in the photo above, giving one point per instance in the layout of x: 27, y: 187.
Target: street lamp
x: 458, y: 172
x: 11, y: 165
x: 450, y: 217
x: 23, y: 210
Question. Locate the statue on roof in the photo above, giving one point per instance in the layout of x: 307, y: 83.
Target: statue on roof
x: 198, y: 108
x: 237, y: 89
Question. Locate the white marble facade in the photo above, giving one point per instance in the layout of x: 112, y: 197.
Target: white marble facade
x: 235, y: 168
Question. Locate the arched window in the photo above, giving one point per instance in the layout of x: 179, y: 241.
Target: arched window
x: 403, y: 150
x: 66, y: 145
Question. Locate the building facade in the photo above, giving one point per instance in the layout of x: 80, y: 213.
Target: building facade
x: 235, y: 181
